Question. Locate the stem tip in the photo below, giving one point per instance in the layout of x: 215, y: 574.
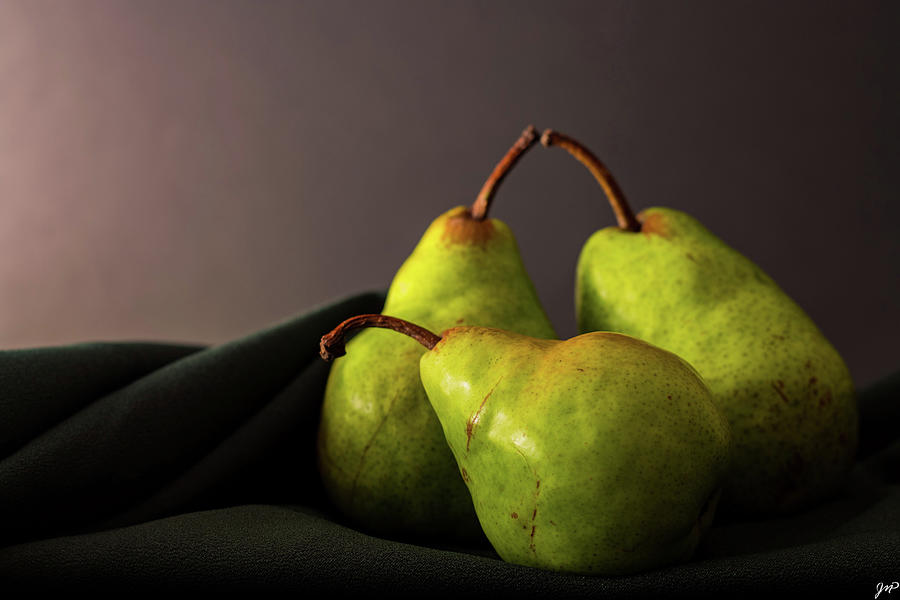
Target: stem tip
x: 547, y: 138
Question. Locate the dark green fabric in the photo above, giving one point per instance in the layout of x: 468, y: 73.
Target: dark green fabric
x: 140, y: 466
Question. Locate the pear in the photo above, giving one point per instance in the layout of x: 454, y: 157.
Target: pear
x: 663, y: 277
x: 601, y: 454
x: 381, y: 453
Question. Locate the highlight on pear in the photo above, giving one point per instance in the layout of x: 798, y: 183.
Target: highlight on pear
x: 601, y: 454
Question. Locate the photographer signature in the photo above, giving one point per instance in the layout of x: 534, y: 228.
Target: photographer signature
x: 881, y: 587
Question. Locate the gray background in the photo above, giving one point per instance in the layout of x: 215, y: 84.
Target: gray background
x: 193, y: 171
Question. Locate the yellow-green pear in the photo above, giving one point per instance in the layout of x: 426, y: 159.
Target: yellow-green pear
x: 381, y: 453
x: 663, y: 277
x: 600, y: 454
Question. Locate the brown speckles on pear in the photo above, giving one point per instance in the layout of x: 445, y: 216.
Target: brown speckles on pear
x: 778, y: 386
x: 463, y: 229
x: 654, y: 224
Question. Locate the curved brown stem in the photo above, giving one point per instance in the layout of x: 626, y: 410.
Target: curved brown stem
x: 482, y: 203
x: 332, y: 344
x: 624, y: 216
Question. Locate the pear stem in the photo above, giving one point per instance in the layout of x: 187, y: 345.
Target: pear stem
x: 332, y: 344
x: 624, y: 216
x: 482, y: 203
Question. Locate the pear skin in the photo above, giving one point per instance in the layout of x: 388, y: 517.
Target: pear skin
x: 664, y: 277
x: 381, y: 451
x: 785, y: 389
x: 599, y: 455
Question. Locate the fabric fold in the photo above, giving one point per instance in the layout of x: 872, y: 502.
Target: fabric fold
x: 122, y: 448
x: 163, y: 466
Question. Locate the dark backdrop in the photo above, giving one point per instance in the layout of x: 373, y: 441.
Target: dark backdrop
x: 193, y: 171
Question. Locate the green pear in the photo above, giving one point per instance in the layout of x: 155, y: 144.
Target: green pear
x: 665, y: 278
x: 601, y: 454
x: 381, y: 453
